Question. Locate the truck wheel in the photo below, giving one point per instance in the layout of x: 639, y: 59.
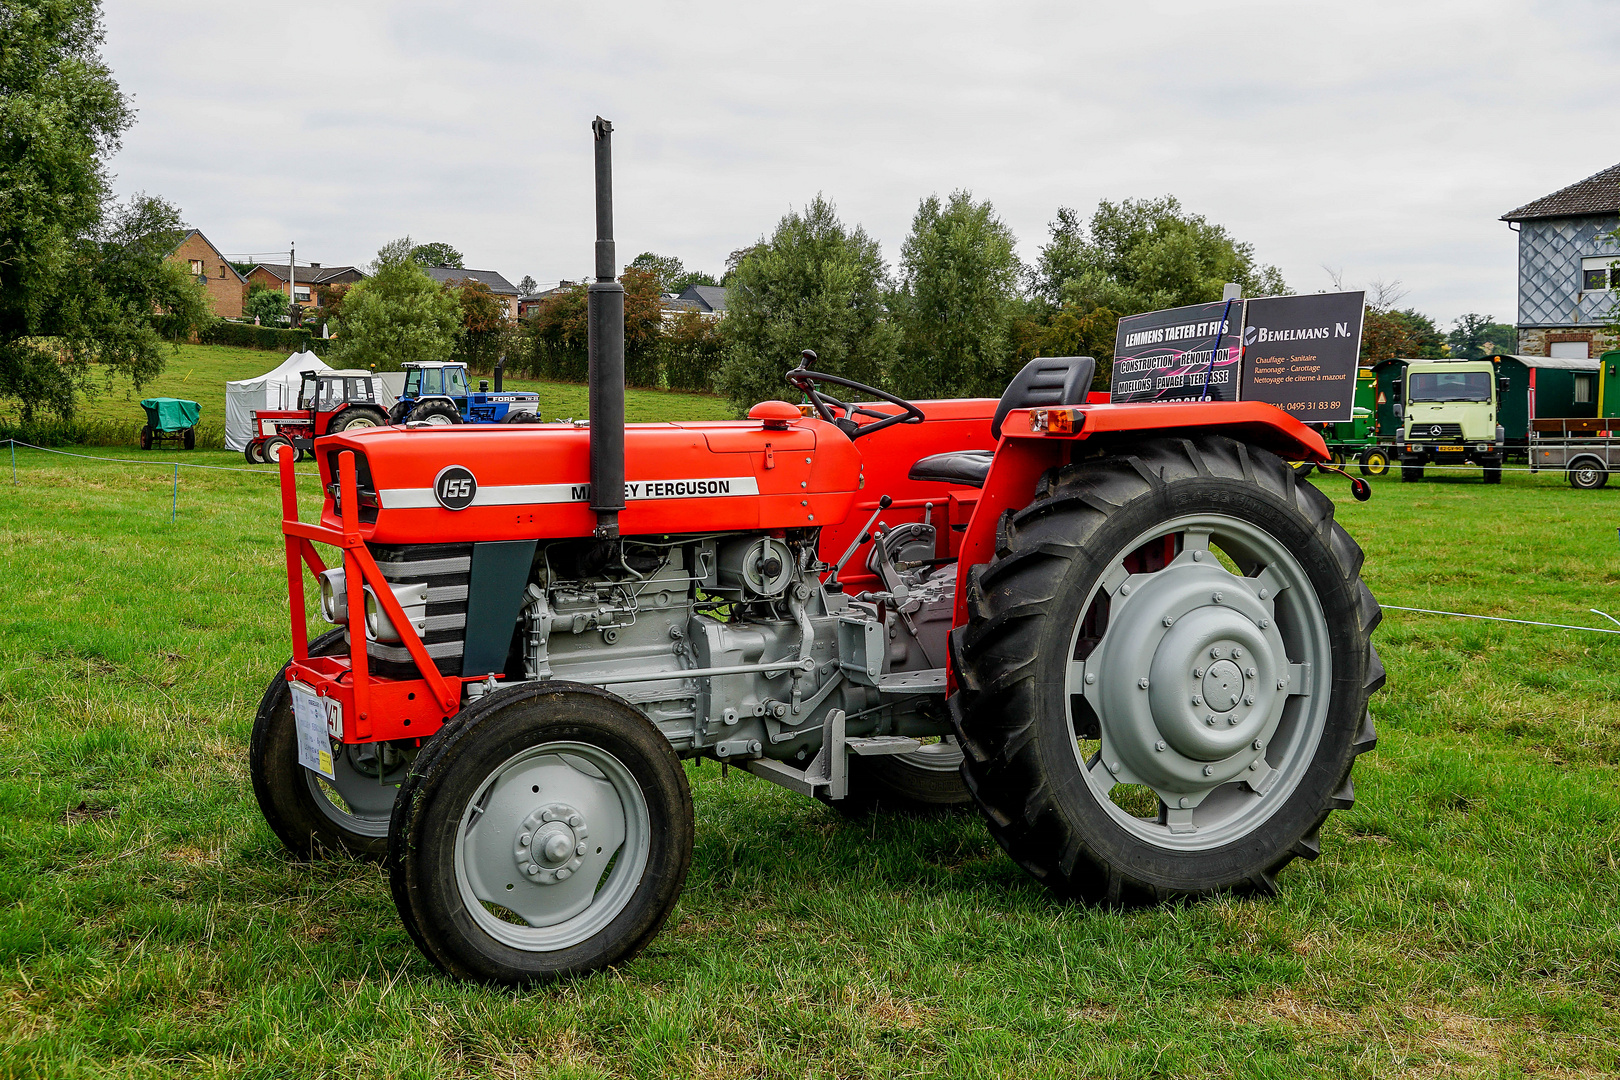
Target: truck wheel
x: 1374, y: 463
x: 313, y: 816
x: 925, y: 781
x: 254, y: 452
x: 1588, y: 474
x: 545, y: 831
x: 437, y: 413
x: 1411, y: 473
x: 1163, y: 680
x: 354, y: 419
x: 1493, y: 474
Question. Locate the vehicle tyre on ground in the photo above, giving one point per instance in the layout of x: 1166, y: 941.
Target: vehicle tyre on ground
x: 313, y: 816
x: 1302, y: 468
x: 1411, y: 473
x: 146, y: 437
x: 1493, y: 474
x: 545, y: 831
x: 926, y: 781
x: 1589, y: 474
x: 1374, y: 462
x: 1138, y: 721
x: 437, y: 413
x: 397, y: 411
x: 521, y: 417
x: 190, y: 439
x: 354, y: 419
x: 254, y: 452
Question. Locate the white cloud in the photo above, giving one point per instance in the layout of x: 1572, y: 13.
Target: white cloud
x: 1382, y: 138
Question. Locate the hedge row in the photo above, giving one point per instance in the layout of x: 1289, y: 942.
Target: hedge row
x: 96, y: 433
x: 272, y: 338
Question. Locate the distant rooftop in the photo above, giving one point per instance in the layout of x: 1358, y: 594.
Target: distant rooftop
x: 1597, y: 194
x: 314, y: 274
x: 496, y: 283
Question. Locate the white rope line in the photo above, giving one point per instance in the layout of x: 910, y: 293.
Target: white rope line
x: 1394, y: 466
x: 151, y: 461
x: 1521, y: 622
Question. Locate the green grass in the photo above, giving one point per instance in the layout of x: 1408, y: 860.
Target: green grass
x: 199, y: 373
x: 1461, y: 921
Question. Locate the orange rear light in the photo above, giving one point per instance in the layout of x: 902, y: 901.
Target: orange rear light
x: 1056, y: 421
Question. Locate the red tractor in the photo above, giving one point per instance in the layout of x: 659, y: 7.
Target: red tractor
x: 328, y: 401
x: 1128, y: 634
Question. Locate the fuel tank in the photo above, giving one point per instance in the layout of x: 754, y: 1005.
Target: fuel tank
x: 532, y: 481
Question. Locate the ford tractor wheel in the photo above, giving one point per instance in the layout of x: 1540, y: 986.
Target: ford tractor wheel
x: 521, y: 417
x: 1163, y: 681
x: 437, y: 413
x: 312, y: 815
x: 545, y: 831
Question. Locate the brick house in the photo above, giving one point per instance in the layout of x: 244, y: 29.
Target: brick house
x: 1568, y: 290
x: 504, y: 290
x: 226, y: 288
x: 275, y: 275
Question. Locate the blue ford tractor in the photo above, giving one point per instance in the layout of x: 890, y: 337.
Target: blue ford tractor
x: 437, y: 392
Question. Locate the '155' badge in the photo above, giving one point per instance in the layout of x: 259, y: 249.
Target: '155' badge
x: 455, y: 487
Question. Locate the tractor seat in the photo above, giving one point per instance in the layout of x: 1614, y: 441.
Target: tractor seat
x: 1053, y: 380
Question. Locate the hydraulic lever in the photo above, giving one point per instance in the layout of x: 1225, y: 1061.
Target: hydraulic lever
x: 861, y: 537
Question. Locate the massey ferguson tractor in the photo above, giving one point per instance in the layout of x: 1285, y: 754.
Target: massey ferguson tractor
x: 1127, y: 633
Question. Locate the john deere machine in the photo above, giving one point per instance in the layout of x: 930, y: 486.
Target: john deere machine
x: 1126, y: 633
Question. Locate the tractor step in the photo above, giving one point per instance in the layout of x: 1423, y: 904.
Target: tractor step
x: 828, y: 771
x: 926, y: 681
x: 882, y: 744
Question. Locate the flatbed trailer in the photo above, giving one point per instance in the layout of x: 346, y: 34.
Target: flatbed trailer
x: 1586, y: 449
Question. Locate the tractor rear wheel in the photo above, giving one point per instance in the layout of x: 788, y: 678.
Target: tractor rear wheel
x: 316, y: 817
x: 546, y: 831
x: 524, y: 417
x: 437, y: 413
x: 1163, y: 681
x: 354, y: 419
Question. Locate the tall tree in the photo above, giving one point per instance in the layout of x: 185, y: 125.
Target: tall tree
x: 397, y: 315
x: 437, y: 253
x: 82, y: 280
x: 957, y: 294
x: 815, y: 284
x: 1387, y: 333
x: 664, y: 268
x: 1474, y: 335
x: 528, y: 286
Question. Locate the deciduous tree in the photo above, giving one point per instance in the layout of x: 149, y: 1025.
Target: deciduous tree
x: 1474, y: 336
x: 397, y: 315
x: 436, y: 253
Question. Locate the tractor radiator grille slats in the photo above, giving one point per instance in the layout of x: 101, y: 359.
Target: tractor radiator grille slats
x: 446, y: 570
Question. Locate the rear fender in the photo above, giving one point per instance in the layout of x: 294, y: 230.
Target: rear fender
x: 1024, y: 454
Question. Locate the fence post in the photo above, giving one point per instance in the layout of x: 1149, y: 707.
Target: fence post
x: 13, y: 443
x: 174, y: 507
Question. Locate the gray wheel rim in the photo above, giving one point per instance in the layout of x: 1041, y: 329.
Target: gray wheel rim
x: 1209, y: 688
x: 1586, y: 476
x: 360, y: 422
x: 944, y: 756
x: 552, y: 846
x: 437, y: 420
x: 360, y: 797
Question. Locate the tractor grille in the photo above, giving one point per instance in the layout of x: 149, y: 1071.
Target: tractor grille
x: 446, y: 569
x: 1437, y: 431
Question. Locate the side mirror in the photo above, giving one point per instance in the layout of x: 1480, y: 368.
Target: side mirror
x: 1503, y: 385
x: 1399, y: 412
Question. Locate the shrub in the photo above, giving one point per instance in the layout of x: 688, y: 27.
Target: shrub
x: 272, y: 338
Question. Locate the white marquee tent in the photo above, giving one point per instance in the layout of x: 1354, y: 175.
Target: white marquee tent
x: 277, y: 389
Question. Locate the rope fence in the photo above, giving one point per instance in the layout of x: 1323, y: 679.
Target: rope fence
x: 174, y: 501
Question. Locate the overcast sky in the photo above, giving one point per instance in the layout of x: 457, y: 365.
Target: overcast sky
x: 1381, y: 139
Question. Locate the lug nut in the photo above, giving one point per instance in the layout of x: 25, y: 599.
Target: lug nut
x: 1197, y: 700
x: 1168, y: 621
x: 1250, y: 673
x: 1182, y: 803
x: 564, y: 874
x: 1198, y: 673
x: 1249, y: 700
x: 1209, y: 770
x: 1218, y: 597
x: 1215, y: 653
x: 1264, y: 594
x: 1257, y: 745
x: 1232, y: 721
x: 523, y: 841
x: 1254, y: 766
x: 533, y: 869
x: 1264, y: 623
x: 1281, y: 683
x: 1159, y: 746
x: 1125, y: 590
x: 1210, y: 719
x: 581, y: 848
x: 1091, y: 677
x: 575, y: 820
x: 1237, y: 654
x: 1198, y: 556
x: 1143, y: 683
x: 1114, y: 768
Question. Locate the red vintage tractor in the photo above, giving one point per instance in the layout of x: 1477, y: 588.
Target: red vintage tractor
x: 328, y: 401
x: 1128, y: 634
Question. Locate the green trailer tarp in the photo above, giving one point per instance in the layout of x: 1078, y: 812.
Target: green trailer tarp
x: 170, y: 414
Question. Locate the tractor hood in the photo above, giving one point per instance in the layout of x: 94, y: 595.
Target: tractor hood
x: 518, y: 482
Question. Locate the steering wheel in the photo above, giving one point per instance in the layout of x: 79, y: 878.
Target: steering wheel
x: 804, y: 378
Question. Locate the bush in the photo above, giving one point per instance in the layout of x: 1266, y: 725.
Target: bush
x: 96, y: 433
x: 692, y: 349
x: 270, y: 338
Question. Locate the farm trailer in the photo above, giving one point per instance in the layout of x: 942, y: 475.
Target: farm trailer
x: 1127, y: 633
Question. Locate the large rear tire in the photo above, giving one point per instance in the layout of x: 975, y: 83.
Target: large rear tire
x: 313, y: 816
x: 546, y: 831
x: 356, y: 418
x: 437, y: 413
x: 1138, y: 720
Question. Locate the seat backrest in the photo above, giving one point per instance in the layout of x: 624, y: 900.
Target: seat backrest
x: 1046, y: 380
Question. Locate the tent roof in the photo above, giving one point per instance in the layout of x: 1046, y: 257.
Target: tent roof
x: 286, y: 371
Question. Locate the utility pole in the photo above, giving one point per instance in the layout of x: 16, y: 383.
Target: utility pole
x: 292, y: 276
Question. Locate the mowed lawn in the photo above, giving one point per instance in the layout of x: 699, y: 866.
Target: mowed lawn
x: 199, y: 373
x: 1461, y: 921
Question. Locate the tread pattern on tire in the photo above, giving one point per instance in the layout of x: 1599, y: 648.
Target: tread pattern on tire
x: 995, y: 661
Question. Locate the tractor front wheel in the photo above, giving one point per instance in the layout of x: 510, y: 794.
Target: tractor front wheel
x: 1374, y: 462
x: 1163, y: 681
x: 254, y: 452
x: 546, y: 831
x: 437, y: 413
x: 316, y: 817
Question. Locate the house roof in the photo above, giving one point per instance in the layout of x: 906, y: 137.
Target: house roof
x: 1597, y: 194
x: 708, y: 297
x: 496, y: 283
x: 198, y: 233
x: 308, y: 275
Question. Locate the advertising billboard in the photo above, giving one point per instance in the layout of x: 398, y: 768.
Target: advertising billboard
x: 1166, y: 355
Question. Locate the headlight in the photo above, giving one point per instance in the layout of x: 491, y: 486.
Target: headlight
x: 412, y: 598
x: 334, y: 597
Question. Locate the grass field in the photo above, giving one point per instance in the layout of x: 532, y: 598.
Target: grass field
x: 199, y: 373
x: 1461, y: 921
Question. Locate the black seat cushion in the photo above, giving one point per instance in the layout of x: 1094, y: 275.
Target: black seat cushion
x: 965, y: 467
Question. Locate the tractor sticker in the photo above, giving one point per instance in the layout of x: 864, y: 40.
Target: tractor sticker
x: 310, y: 722
x: 540, y: 494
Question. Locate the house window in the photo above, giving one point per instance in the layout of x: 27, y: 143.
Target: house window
x: 196, y: 268
x: 1583, y: 389
x: 301, y: 293
x: 1597, y: 275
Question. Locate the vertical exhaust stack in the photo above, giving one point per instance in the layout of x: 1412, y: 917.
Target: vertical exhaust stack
x: 605, y: 321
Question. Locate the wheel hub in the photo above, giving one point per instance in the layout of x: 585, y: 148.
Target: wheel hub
x: 1191, y: 679
x: 550, y: 843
